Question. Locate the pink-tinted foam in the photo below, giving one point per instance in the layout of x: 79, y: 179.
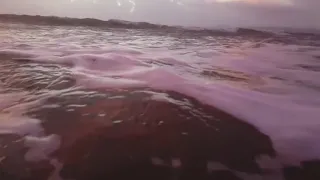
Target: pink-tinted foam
x: 291, y: 119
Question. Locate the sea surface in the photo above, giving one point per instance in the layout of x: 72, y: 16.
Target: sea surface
x: 86, y: 102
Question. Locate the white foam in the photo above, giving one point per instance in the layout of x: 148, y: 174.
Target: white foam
x: 93, y: 81
x: 2, y: 158
x: 41, y: 147
x: 10, y: 124
x: 176, y: 163
x: 12, y: 121
x: 292, y: 128
x: 157, y: 161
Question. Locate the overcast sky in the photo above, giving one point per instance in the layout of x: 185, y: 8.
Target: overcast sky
x: 206, y: 13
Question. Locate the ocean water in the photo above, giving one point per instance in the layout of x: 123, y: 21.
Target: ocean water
x: 79, y: 102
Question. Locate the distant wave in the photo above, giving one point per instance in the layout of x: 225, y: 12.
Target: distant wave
x: 285, y: 36
x: 115, y: 23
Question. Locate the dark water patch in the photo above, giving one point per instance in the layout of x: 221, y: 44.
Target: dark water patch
x: 317, y: 57
x: 315, y: 68
x: 308, y: 84
x: 223, y: 174
x: 5, y: 55
x: 225, y: 75
x: 253, y: 32
x: 277, y: 78
x: 117, y: 138
x: 313, y: 35
x: 309, y: 170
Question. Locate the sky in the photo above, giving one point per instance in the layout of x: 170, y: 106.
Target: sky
x: 203, y: 13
